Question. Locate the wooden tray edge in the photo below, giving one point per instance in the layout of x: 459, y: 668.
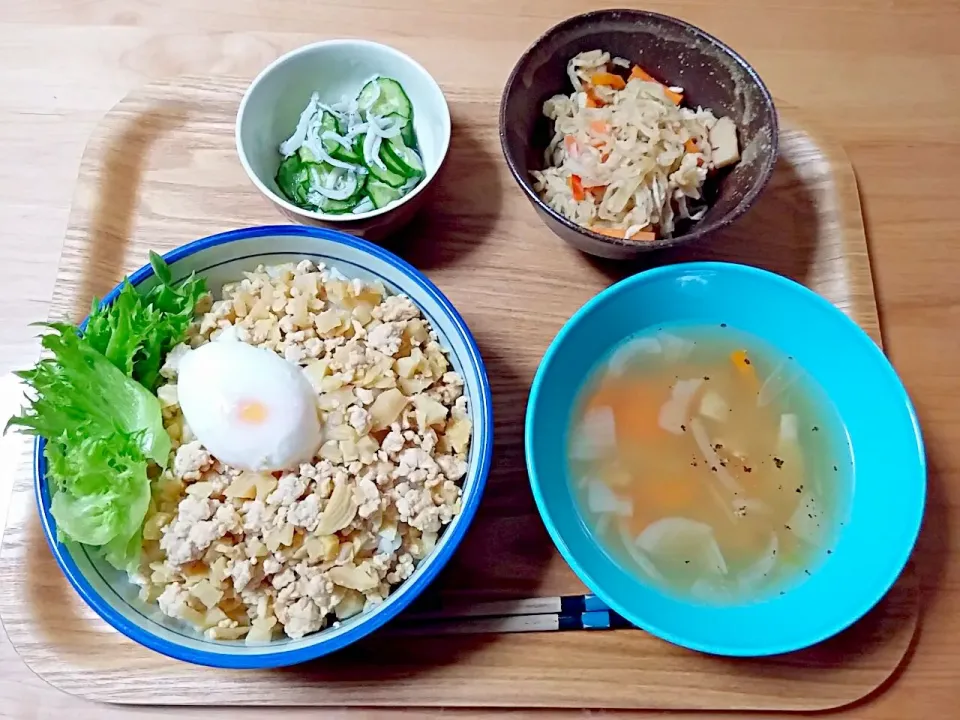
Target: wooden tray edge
x: 851, y: 206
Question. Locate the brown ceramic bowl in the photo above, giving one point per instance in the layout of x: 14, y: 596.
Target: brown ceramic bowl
x: 677, y: 53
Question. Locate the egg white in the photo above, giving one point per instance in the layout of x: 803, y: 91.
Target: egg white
x: 250, y: 408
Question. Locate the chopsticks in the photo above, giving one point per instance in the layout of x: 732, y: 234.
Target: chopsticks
x: 546, y: 614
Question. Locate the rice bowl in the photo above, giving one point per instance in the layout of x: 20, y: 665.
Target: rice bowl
x: 222, y: 259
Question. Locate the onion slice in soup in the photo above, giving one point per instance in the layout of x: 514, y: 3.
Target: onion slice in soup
x: 596, y: 435
x: 623, y: 356
x: 675, y: 411
x: 676, y: 539
x: 779, y: 381
x: 713, y: 460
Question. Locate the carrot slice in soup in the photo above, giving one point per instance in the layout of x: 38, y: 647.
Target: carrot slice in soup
x: 636, y: 408
x: 741, y: 361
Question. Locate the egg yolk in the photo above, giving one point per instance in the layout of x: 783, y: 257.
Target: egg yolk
x: 252, y: 412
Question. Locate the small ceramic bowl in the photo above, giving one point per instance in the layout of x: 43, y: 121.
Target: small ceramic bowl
x: 675, y: 52
x: 224, y: 258
x: 273, y: 103
x: 884, y: 508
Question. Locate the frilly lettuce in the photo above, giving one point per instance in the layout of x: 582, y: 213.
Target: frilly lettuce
x: 91, y: 398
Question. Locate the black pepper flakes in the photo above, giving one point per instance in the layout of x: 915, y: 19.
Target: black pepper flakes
x: 686, y: 562
x: 787, y: 527
x: 746, y: 361
x: 807, y: 572
x: 713, y: 468
x: 834, y: 468
x: 706, y: 377
x: 718, y: 446
x: 829, y: 552
x: 816, y: 429
x: 693, y: 464
x: 778, y: 462
x: 723, y: 463
x: 683, y: 428
x: 747, y: 469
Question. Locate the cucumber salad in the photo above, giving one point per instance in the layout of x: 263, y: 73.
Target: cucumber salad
x: 354, y: 156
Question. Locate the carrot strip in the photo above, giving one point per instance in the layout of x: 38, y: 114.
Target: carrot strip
x: 593, y: 100
x: 741, y: 361
x: 691, y: 146
x: 640, y: 236
x: 576, y: 186
x: 638, y: 73
x: 600, y: 127
x: 570, y: 143
x: 609, y: 80
x: 610, y: 232
x: 676, y: 97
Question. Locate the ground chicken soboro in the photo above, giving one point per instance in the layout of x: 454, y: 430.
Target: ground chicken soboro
x: 250, y: 555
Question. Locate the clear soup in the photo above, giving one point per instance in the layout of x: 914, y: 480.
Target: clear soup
x: 709, y: 463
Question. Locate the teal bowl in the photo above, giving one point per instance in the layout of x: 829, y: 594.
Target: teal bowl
x: 886, y: 502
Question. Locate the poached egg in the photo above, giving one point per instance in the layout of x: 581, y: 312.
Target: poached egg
x: 250, y: 408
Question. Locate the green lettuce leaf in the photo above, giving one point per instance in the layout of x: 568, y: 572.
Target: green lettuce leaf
x: 91, y: 397
x: 101, y: 491
x: 136, y: 332
x: 78, y: 391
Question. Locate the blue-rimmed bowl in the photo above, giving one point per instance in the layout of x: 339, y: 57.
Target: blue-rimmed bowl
x: 889, y: 475
x: 221, y: 259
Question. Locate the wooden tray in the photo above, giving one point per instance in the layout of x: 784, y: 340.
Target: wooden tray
x: 161, y: 170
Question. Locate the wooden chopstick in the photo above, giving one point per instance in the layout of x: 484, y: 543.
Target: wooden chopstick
x: 504, y: 608
x: 545, y: 622
x: 546, y: 614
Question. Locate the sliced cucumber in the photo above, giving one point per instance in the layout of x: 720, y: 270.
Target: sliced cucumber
x: 306, y: 155
x: 351, y: 156
x: 408, y: 135
x: 394, y: 179
x: 391, y: 161
x: 381, y: 194
x: 384, y: 96
x: 336, y: 207
x: 406, y: 129
x: 407, y: 161
x: 328, y: 121
x: 319, y: 174
x: 293, y: 180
